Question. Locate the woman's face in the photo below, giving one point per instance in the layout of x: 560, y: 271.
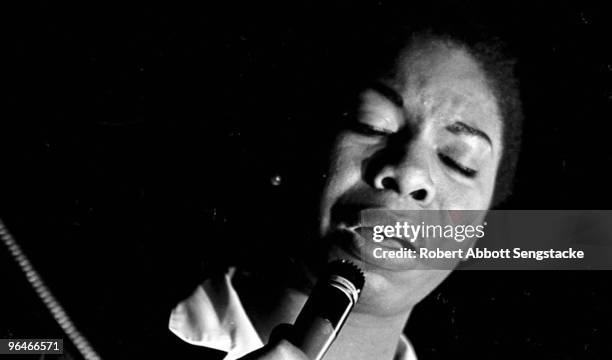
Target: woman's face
x: 425, y: 137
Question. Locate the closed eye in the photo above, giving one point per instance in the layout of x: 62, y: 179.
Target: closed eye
x: 463, y: 170
x: 369, y: 130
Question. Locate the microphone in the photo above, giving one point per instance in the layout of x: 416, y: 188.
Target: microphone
x: 327, y: 308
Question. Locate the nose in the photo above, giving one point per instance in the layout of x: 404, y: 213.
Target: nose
x: 406, y: 172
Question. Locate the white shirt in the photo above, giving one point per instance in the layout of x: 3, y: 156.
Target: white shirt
x: 214, y: 317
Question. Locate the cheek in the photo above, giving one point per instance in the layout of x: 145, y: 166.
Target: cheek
x: 453, y: 195
x: 345, y: 165
x: 466, y: 200
x: 344, y: 172
x: 487, y: 186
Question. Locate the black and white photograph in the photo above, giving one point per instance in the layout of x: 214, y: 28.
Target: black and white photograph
x: 301, y: 180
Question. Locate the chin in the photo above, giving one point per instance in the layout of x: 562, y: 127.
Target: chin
x: 389, y: 292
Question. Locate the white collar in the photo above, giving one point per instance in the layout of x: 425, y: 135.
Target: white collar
x: 214, y: 317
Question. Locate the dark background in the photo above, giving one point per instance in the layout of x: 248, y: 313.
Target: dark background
x: 136, y: 136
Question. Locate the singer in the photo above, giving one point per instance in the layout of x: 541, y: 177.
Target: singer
x: 433, y: 124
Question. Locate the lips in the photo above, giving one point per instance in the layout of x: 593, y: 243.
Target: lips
x: 351, y: 243
x: 367, y: 232
x: 352, y: 230
x: 362, y: 218
x: 368, y: 215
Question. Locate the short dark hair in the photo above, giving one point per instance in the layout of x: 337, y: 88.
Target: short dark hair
x: 367, y: 48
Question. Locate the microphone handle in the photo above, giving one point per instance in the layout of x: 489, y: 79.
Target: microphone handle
x: 323, y: 315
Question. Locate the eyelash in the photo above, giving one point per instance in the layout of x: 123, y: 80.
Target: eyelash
x: 465, y: 171
x: 368, y: 130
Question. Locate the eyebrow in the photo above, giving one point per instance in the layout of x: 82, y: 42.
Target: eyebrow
x: 457, y: 128
x: 461, y: 128
x: 386, y: 91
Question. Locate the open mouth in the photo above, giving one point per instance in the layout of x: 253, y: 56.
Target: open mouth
x: 357, y: 243
x: 365, y: 236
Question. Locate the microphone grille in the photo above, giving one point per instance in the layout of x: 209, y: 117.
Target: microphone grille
x: 349, y: 271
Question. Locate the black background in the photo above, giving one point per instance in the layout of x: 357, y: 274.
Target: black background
x: 135, y: 135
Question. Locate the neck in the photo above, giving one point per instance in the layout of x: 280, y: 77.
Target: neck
x: 364, y: 336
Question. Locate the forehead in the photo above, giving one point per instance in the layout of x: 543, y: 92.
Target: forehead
x: 443, y: 80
